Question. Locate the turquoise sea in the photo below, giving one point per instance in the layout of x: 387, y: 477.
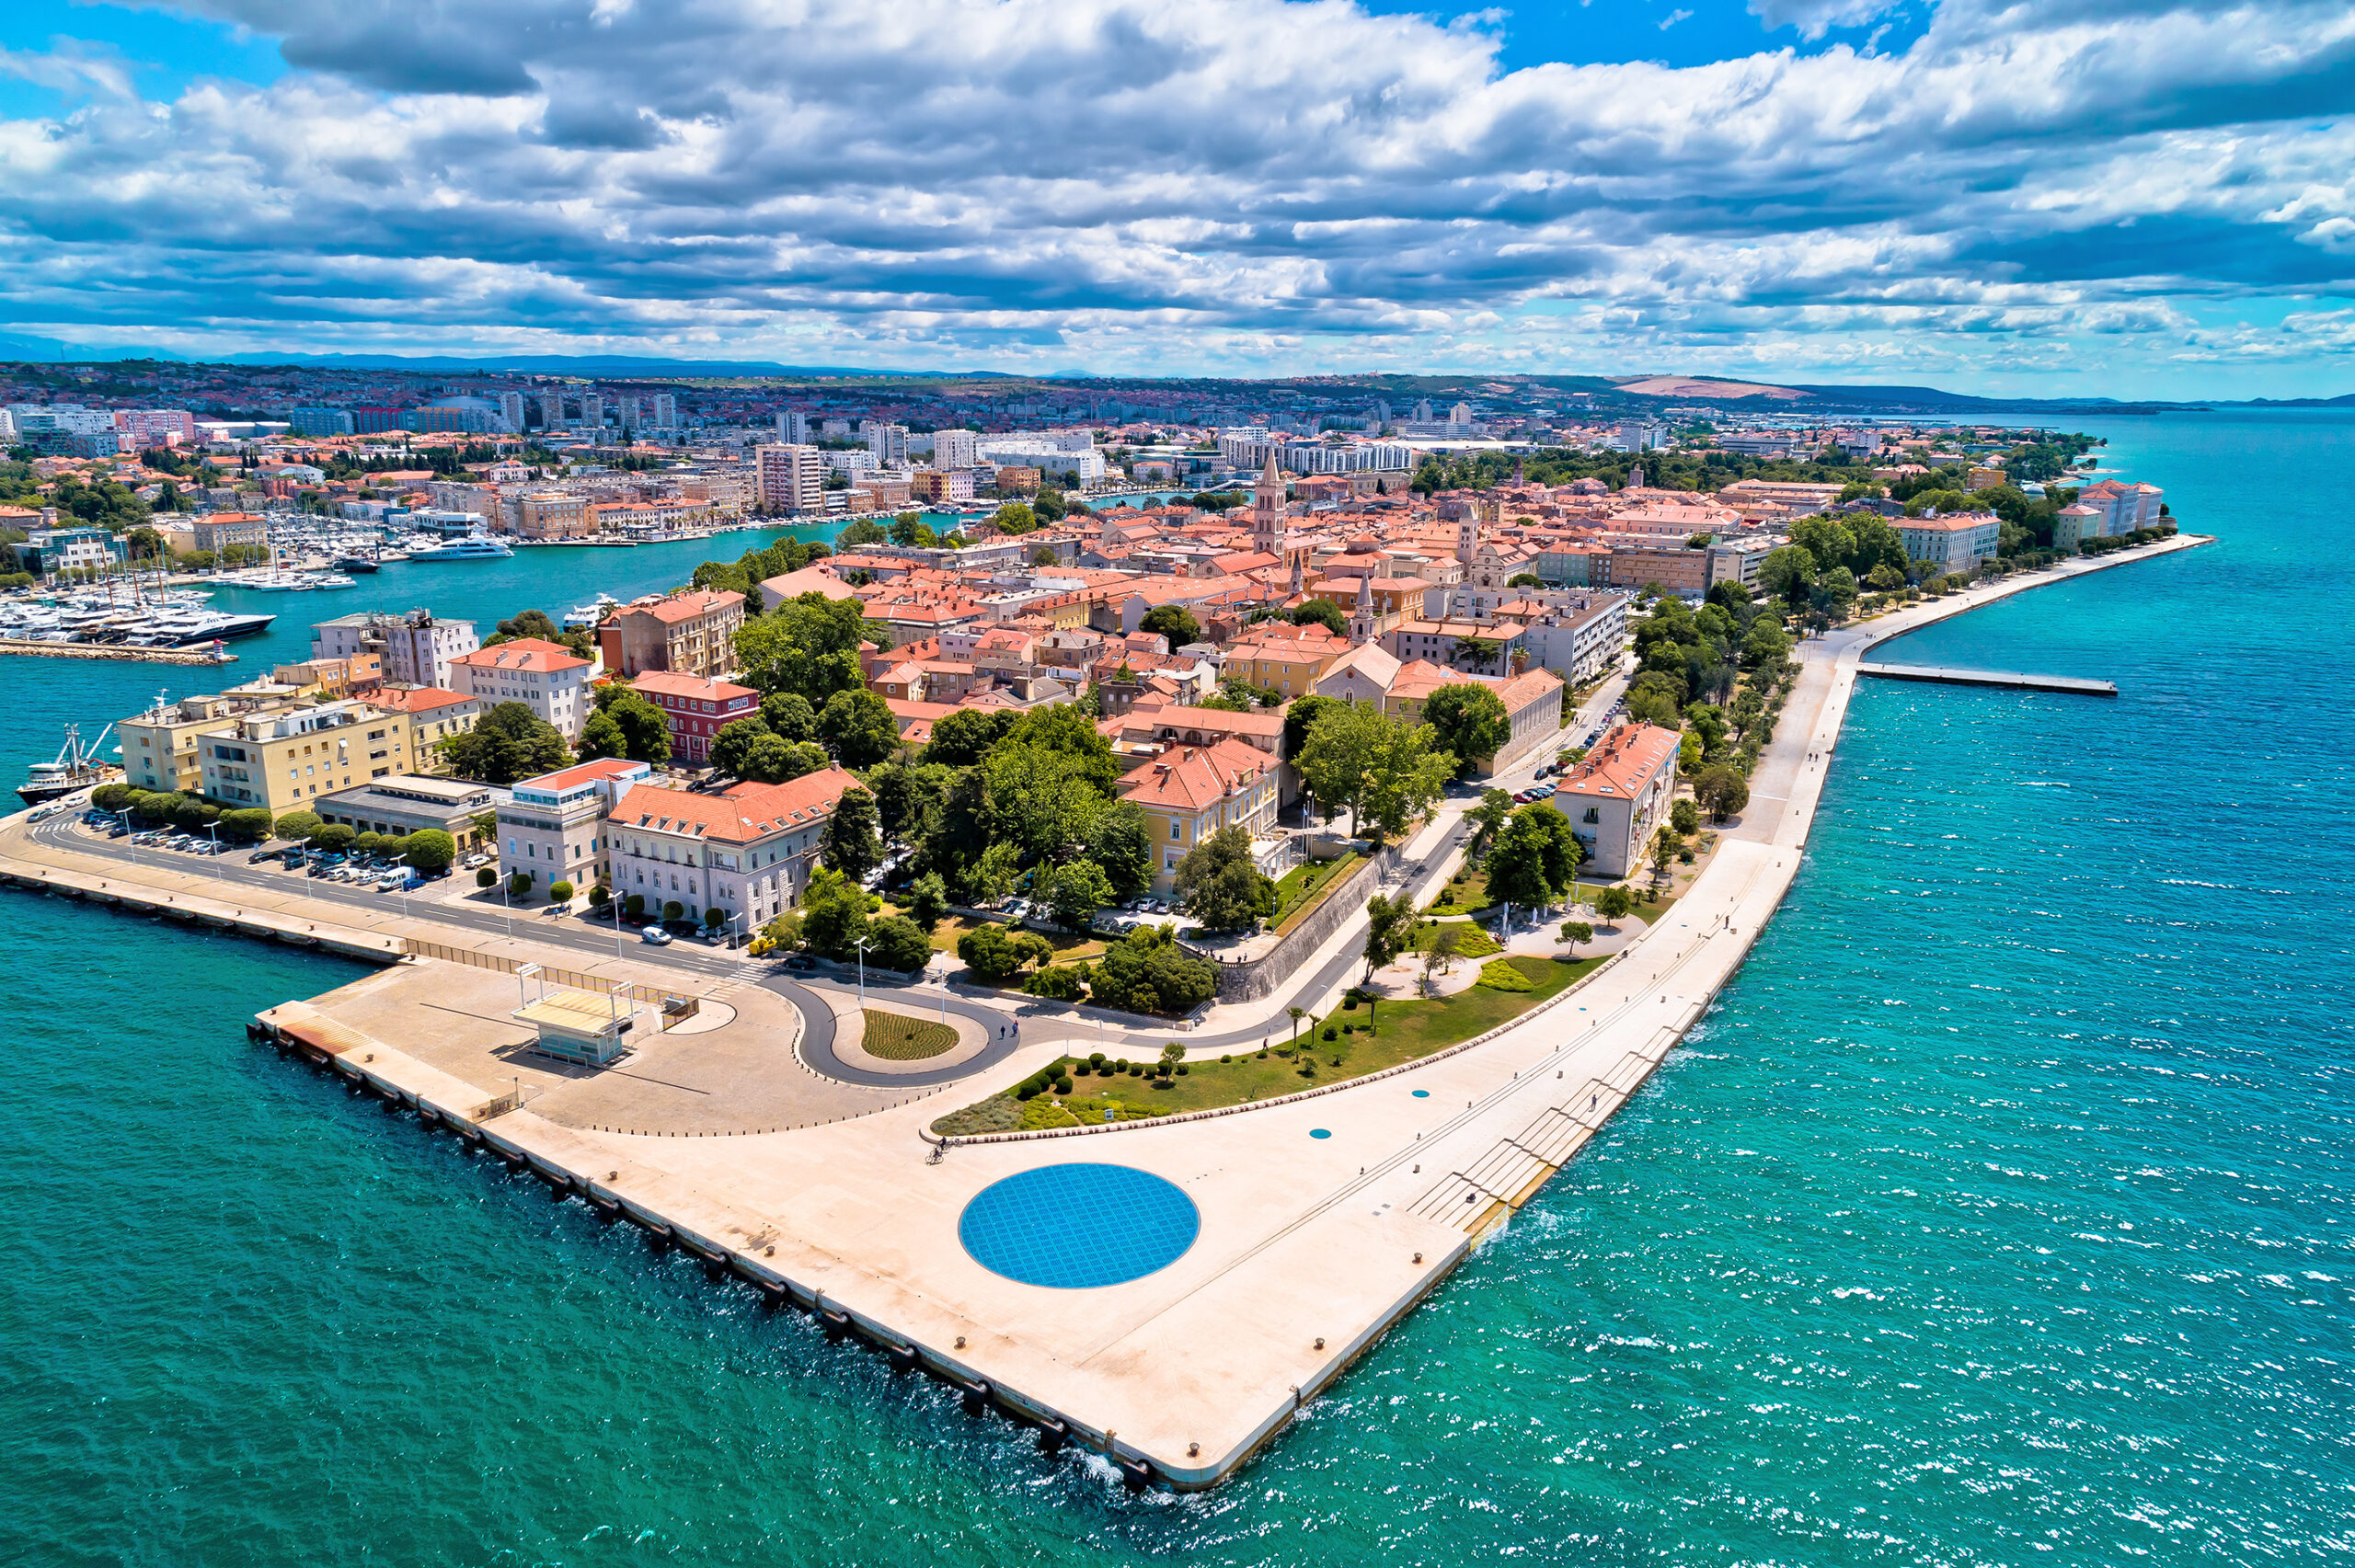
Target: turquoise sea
x: 2000, y: 1213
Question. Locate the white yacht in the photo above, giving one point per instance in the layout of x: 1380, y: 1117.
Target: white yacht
x: 473, y: 547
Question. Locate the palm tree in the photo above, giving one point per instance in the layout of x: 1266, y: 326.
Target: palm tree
x: 1296, y: 1014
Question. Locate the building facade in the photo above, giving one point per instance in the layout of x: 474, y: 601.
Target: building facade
x: 747, y: 851
x: 790, y: 480
x: 546, y: 677
x: 418, y: 648
x: 553, y: 828
x: 1618, y: 795
x: 697, y: 708
x: 1190, y: 792
x: 691, y: 633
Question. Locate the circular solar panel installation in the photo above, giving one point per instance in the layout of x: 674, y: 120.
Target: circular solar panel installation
x: 1079, y: 1226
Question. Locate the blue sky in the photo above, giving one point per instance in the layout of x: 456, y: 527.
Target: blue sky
x: 2130, y: 198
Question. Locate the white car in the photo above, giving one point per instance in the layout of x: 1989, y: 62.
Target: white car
x: 654, y: 936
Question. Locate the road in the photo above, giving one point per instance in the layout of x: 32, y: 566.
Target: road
x: 1015, y: 1023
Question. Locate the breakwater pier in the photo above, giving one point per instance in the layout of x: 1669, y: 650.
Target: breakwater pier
x: 117, y: 652
x: 2015, y: 679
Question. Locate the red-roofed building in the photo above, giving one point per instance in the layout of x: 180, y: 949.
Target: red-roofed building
x: 434, y: 715
x: 1618, y: 795
x: 1190, y: 792
x: 547, y: 678
x: 746, y: 851
x: 697, y: 708
x: 693, y: 632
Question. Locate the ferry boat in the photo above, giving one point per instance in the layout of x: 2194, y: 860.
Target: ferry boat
x: 473, y: 547
x: 77, y: 767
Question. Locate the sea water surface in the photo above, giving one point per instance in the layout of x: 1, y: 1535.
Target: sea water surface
x: 1999, y: 1213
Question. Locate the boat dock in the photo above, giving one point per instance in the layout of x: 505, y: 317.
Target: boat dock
x: 33, y: 648
x: 2015, y: 679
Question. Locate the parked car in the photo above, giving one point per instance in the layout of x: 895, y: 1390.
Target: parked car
x: 655, y: 935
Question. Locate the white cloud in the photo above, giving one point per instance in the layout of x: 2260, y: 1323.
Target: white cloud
x: 942, y: 180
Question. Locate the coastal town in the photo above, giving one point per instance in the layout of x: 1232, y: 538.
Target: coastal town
x: 998, y: 792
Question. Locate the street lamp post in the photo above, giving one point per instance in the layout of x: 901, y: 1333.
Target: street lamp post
x: 125, y: 815
x: 214, y: 828
x: 862, y: 944
x: 617, y: 927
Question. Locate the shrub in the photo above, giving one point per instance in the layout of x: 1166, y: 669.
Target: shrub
x: 1223, y: 1059
x: 1181, y: 1069
x: 1025, y: 1089
x: 1349, y: 1003
x: 1136, y: 1069
x: 600, y: 896
x: 1263, y: 1056
x: 673, y: 909
x: 1095, y: 1059
x: 633, y: 905
x: 1348, y: 1029
x: 1062, y: 1085
x: 559, y: 891
x: 486, y: 878
x: 714, y: 918
x: 430, y: 849
x: 1056, y: 984
x: 1121, y: 1065
x: 519, y: 886
x: 1331, y: 1033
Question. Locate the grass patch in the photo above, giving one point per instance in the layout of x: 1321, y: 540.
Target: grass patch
x: 1315, y: 885
x: 1503, y: 974
x: 893, y: 1037
x: 1465, y: 893
x: 1471, y: 941
x: 1398, y: 1032
x: 1070, y: 946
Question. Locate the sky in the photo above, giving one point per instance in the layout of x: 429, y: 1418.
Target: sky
x: 2075, y: 197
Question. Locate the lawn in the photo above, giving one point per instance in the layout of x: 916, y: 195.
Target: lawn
x: 1304, y: 887
x: 1467, y: 891
x: 1070, y: 946
x: 1408, y: 1030
x: 897, y: 1038
x: 1472, y: 940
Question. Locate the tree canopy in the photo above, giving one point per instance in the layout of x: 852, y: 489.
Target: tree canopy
x: 508, y: 743
x: 1469, y: 721
x: 1220, y: 884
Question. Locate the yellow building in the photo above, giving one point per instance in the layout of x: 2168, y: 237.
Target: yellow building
x: 1190, y: 792
x: 284, y: 759
x: 1281, y: 656
x: 159, y: 747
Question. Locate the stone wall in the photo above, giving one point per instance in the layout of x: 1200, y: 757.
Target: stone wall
x: 1256, y: 978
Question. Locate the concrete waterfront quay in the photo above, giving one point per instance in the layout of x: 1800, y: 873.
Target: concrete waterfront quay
x: 2019, y: 680
x: 1323, y: 1219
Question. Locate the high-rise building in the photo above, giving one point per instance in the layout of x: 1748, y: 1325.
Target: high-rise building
x: 666, y: 411
x: 551, y: 408
x: 954, y: 449
x: 318, y: 422
x: 793, y: 427
x: 511, y: 409
x: 592, y: 409
x: 791, y: 478
x: 888, y: 443
x: 626, y: 412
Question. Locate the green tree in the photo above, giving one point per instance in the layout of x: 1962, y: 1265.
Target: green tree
x: 1323, y: 613
x: 508, y: 743
x: 774, y: 759
x: 732, y: 744
x: 1145, y: 971
x: 898, y: 943
x: 858, y: 729
x: 963, y: 737
x: 1665, y: 843
x: 298, y: 826
x: 1300, y: 716
x: 1534, y: 857
x: 995, y: 954
x: 1487, y: 820
x: 1410, y: 773
x: 1220, y: 886
x: 808, y: 647
x: 851, y: 844
x: 789, y: 715
x: 432, y: 851
x: 833, y: 912
x: 603, y: 737
x: 1015, y: 518
x: 1174, y: 622
x: 1337, y: 760
x: 866, y: 530
x: 645, y: 731
x: 1766, y: 646
x: 1721, y: 790
x: 1470, y: 722
x: 927, y: 901
x: 1390, y: 925
x: 1685, y: 816
x: 560, y: 891
x: 1120, y: 842
x: 1615, y: 904
x: 1574, y: 932
x: 1075, y: 891
x: 335, y: 837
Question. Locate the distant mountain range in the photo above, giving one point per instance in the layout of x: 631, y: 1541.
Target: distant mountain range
x: 1785, y: 398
